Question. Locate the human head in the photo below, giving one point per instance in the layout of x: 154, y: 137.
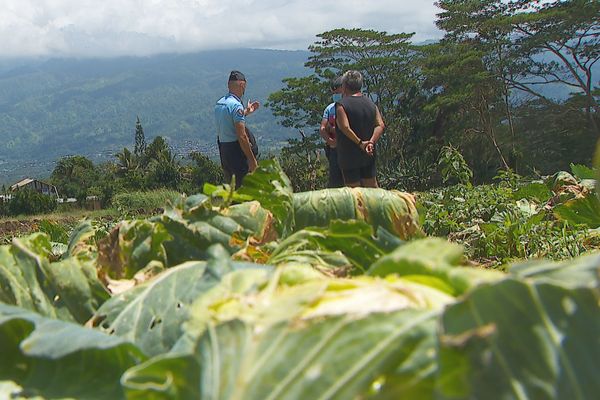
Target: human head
x: 336, y: 85
x: 237, y: 83
x: 336, y: 89
x: 352, y: 82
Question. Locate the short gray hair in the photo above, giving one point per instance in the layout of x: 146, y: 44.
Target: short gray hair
x: 353, y: 80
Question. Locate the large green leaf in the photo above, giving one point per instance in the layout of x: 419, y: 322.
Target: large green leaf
x: 434, y: 262
x: 183, y: 233
x: 324, y: 338
x: 394, y: 211
x: 583, y: 172
x: 309, y: 361
x: 350, y: 245
x: 68, y: 289
x: 151, y: 315
x: 57, y: 359
x: 533, y: 191
x: 82, y: 241
x: 131, y: 246
x: 584, y: 211
x: 196, y: 225
x: 163, y: 377
x: 258, y: 222
x: 577, y: 272
x: 533, y: 338
x: 269, y: 185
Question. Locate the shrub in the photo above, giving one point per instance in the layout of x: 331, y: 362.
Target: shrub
x: 204, y: 170
x: 144, y: 201
x: 30, y: 202
x: 3, y: 207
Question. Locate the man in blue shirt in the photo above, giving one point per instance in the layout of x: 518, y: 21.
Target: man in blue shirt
x: 235, y: 150
x: 327, y: 132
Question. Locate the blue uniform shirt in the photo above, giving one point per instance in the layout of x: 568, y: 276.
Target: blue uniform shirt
x: 228, y: 111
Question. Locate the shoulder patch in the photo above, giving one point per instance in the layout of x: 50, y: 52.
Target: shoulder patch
x: 240, y: 112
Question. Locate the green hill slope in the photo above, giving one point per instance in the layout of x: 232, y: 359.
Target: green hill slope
x: 58, y: 107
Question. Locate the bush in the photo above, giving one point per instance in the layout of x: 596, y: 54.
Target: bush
x: 144, y: 201
x: 204, y: 171
x: 3, y: 208
x: 305, y: 164
x: 30, y: 202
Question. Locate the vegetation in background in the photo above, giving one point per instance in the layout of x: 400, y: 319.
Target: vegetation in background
x: 28, y: 202
x: 517, y: 218
x: 489, y: 86
x: 144, y: 202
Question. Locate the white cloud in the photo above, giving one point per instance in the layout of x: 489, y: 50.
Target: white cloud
x: 142, y: 27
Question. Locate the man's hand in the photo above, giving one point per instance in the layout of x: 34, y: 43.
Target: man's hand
x: 252, y: 106
x: 252, y: 164
x: 331, y: 142
x: 367, y: 146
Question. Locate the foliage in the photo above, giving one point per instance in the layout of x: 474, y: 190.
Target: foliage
x: 453, y: 166
x: 304, y: 163
x: 73, y: 176
x: 30, y: 202
x: 392, y: 210
x: 515, y: 218
x: 144, y: 201
x: 204, y: 170
x: 511, y: 81
x: 265, y: 309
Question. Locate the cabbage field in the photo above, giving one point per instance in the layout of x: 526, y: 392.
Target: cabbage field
x: 262, y: 293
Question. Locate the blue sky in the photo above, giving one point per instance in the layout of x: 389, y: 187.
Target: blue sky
x: 92, y: 28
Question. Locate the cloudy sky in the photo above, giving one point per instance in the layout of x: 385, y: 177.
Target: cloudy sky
x: 141, y: 27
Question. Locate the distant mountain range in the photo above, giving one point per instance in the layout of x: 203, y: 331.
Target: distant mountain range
x: 57, y: 107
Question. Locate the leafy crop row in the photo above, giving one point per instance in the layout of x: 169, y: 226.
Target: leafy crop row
x: 517, y: 218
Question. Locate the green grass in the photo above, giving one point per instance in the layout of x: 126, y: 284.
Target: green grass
x: 144, y: 202
x: 75, y: 214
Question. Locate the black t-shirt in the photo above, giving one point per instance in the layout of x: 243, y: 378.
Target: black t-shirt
x: 361, y: 112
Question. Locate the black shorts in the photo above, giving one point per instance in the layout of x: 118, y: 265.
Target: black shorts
x: 353, y: 175
x: 233, y: 161
x: 335, y: 173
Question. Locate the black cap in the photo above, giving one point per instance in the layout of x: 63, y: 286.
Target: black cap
x: 236, y: 76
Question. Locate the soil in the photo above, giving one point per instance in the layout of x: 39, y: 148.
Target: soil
x: 16, y: 228
x: 10, y: 229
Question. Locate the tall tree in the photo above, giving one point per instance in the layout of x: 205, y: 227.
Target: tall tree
x: 533, y: 43
x: 464, y: 94
x: 140, y: 139
x: 390, y: 71
x: 73, y: 176
x: 387, y: 61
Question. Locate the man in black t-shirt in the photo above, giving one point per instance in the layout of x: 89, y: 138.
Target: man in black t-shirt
x: 359, y: 126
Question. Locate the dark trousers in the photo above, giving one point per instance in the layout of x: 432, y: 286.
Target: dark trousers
x: 336, y: 179
x: 233, y: 161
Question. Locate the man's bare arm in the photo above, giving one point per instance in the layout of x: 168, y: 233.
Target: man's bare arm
x: 379, y: 127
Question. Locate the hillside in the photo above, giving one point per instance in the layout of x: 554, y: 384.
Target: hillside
x: 58, y: 107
